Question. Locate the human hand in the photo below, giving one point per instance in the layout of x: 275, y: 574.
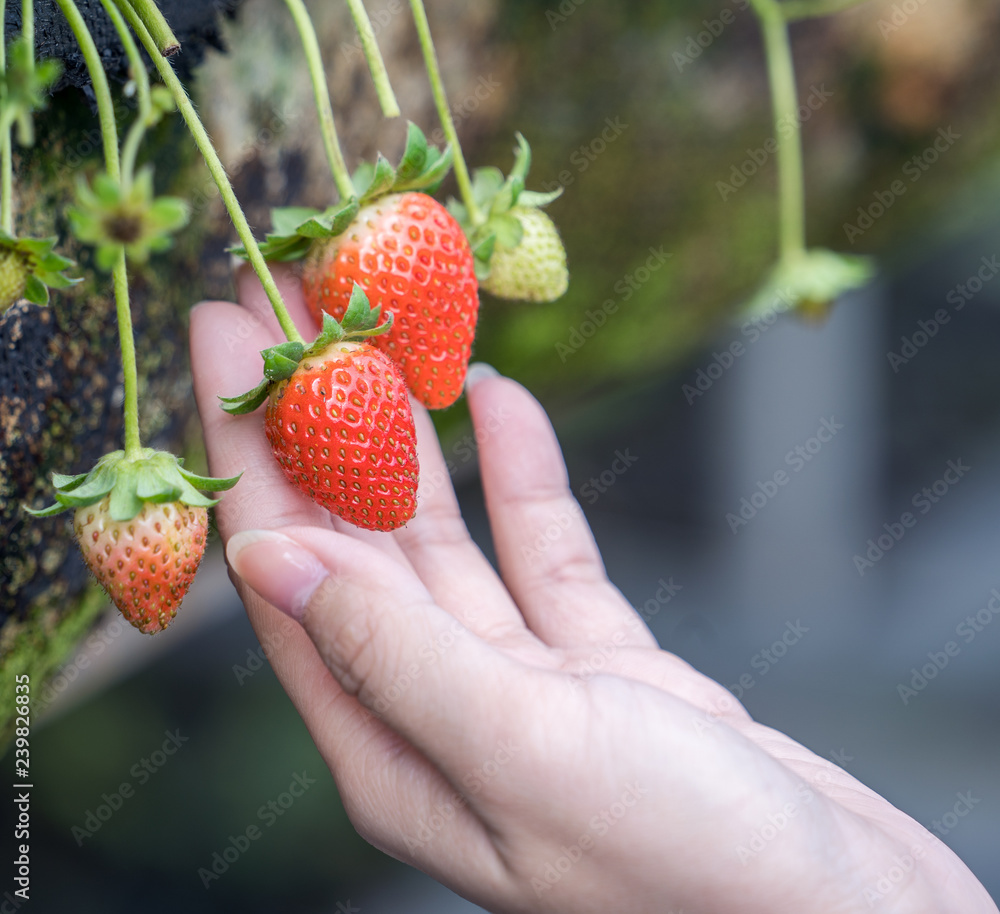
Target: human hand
x: 460, y: 714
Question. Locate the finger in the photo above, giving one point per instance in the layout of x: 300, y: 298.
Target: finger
x: 251, y: 295
x: 450, y: 564
x: 225, y: 361
x: 546, y: 551
x: 387, y: 643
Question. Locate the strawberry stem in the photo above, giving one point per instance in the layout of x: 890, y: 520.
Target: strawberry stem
x: 787, y: 129
x: 28, y: 29
x: 137, y: 67
x: 6, y: 158
x: 215, y: 166
x: 109, y: 136
x: 376, y: 65
x: 130, y: 373
x: 444, y: 112
x: 102, y: 92
x: 164, y: 39
x: 321, y: 92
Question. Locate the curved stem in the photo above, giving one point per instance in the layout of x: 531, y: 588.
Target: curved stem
x: 787, y: 128
x: 444, y: 113
x: 133, y: 138
x: 102, y: 92
x: 217, y: 170
x: 373, y: 56
x: 793, y: 10
x: 6, y: 158
x: 324, y: 108
x: 164, y: 39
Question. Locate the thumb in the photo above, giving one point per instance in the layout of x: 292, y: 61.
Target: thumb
x: 383, y: 637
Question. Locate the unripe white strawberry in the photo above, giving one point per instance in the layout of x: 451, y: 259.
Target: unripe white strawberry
x: 535, y: 270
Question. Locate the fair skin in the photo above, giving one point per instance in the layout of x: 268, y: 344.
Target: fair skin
x: 520, y: 736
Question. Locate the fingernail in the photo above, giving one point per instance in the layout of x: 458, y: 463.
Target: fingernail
x: 479, y: 371
x: 278, y: 568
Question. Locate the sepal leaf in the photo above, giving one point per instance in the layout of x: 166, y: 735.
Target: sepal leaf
x: 153, y: 476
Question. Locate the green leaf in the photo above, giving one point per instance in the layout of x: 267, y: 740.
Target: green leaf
x: 536, y: 199
x: 383, y: 178
x: 508, y: 229
x: 125, y: 503
x: 281, y: 361
x: 35, y: 290
x: 248, y: 402
x: 210, y: 483
x: 286, y: 219
x: 414, y: 155
x: 358, y: 311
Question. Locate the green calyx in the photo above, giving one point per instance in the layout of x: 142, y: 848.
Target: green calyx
x: 294, y: 229
x: 496, y: 196
x: 809, y: 283
x: 152, y: 476
x: 110, y: 216
x: 360, y: 322
x: 33, y: 260
x: 24, y: 85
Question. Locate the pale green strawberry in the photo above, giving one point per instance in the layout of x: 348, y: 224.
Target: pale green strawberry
x: 13, y: 276
x: 535, y: 269
x: 518, y: 252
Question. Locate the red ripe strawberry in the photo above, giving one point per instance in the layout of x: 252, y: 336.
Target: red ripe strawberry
x: 412, y: 258
x: 145, y: 564
x: 342, y: 430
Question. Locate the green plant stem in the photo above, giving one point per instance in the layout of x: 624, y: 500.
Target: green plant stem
x: 133, y: 139
x: 444, y: 112
x: 321, y: 92
x: 109, y: 135
x: 376, y: 64
x: 102, y: 92
x: 793, y: 10
x: 130, y: 372
x: 28, y: 29
x: 6, y: 158
x: 787, y: 129
x: 217, y: 170
x: 164, y: 39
